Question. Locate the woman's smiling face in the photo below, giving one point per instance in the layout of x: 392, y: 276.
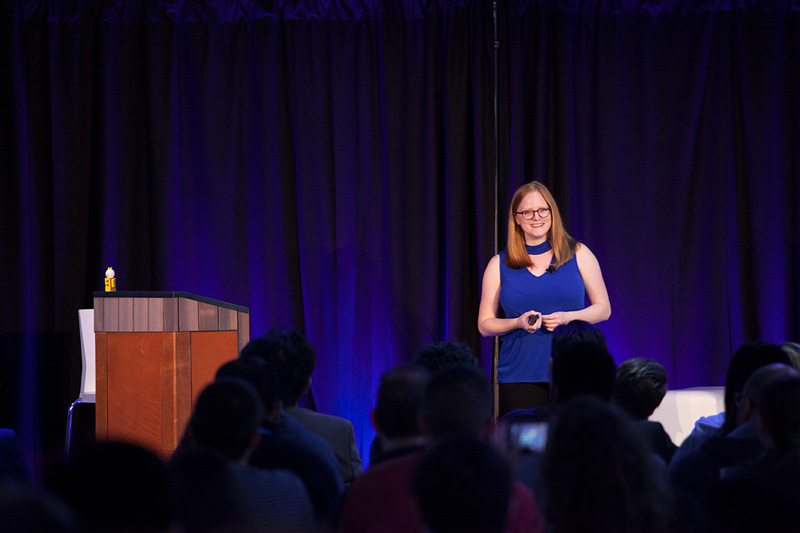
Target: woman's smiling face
x: 535, y: 229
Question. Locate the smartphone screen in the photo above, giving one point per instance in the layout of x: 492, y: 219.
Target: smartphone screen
x: 528, y: 436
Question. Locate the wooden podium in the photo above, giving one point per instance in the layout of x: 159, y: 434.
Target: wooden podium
x: 155, y: 351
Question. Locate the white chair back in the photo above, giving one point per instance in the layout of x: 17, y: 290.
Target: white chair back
x: 681, y: 408
x: 88, y: 383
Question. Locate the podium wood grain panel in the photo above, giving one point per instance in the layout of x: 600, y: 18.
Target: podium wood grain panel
x: 110, y: 315
x: 155, y: 314
x: 208, y: 317
x: 135, y: 388
x: 170, y: 314
x: 126, y: 314
x: 183, y: 383
x: 99, y: 305
x: 188, y: 318
x: 210, y: 350
x: 169, y: 409
x: 101, y: 385
x: 147, y: 380
x: 140, y: 312
x: 244, y: 330
x: 227, y: 319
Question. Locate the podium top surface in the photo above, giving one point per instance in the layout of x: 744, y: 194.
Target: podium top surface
x: 170, y: 294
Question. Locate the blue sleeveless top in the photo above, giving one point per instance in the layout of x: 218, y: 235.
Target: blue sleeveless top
x: 525, y: 357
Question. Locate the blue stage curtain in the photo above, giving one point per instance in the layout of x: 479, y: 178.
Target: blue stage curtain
x: 330, y: 165
x: 670, y: 132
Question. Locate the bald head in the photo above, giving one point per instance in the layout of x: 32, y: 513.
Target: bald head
x: 754, y: 386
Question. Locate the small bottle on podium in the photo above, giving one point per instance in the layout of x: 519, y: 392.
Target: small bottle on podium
x: 111, y: 281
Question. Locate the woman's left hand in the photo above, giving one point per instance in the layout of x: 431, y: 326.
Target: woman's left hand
x: 553, y: 320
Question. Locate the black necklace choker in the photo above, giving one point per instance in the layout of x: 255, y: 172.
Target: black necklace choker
x: 538, y: 249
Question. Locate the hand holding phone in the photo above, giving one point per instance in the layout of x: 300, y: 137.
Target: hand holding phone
x: 533, y: 318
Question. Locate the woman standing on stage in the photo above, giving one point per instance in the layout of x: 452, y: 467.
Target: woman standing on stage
x: 541, y: 281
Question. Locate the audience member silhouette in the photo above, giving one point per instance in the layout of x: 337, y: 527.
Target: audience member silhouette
x: 276, y: 452
x: 764, y: 495
x: 277, y: 350
x: 434, y: 357
x: 440, y: 355
x: 397, y: 410
x: 577, y: 368
x: 463, y: 484
x: 118, y: 487
x: 226, y: 419
x: 337, y: 431
x: 458, y: 402
x: 23, y: 509
x: 577, y: 331
x: 640, y: 386
x: 701, y: 468
x: 210, y: 496
x: 747, y: 359
x: 600, y: 474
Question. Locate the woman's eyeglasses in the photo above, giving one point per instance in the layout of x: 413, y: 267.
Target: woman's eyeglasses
x: 543, y: 212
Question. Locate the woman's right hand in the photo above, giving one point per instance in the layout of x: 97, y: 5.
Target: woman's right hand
x: 530, y: 321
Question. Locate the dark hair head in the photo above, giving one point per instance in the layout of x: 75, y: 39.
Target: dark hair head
x: 746, y: 360
x: 440, y: 355
x: 463, y: 484
x: 576, y: 331
x: 600, y: 472
x: 259, y: 374
x: 399, y: 402
x: 779, y: 408
x: 226, y: 416
x: 583, y: 368
x: 458, y: 400
x: 292, y: 357
x: 306, y: 354
x: 641, y: 385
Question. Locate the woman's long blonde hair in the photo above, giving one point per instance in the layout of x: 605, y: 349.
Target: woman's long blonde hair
x: 562, y: 243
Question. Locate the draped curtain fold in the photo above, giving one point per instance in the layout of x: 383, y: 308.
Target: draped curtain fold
x: 331, y: 165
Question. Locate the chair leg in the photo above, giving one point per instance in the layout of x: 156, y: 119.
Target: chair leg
x: 68, y: 439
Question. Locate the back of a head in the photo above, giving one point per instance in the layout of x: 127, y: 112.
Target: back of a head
x: 746, y: 360
x: 399, y: 401
x: 600, y: 472
x: 640, y: 386
x: 583, y: 368
x: 463, y: 484
x: 259, y: 374
x: 306, y: 354
x: 576, y: 331
x: 279, y: 349
x: 761, y: 378
x: 778, y: 405
x: 226, y: 417
x: 458, y: 401
x: 441, y: 355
